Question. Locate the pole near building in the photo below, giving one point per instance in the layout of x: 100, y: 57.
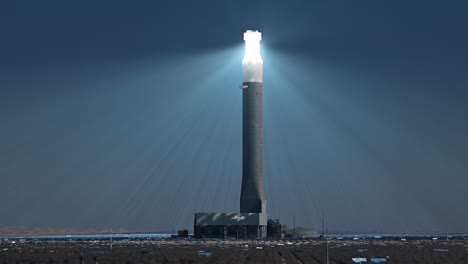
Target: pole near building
x: 252, y: 199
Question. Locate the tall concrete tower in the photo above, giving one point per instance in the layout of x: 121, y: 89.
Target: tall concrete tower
x: 252, y: 199
x: 252, y: 220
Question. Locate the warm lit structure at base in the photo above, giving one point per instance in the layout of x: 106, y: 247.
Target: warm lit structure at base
x: 251, y: 222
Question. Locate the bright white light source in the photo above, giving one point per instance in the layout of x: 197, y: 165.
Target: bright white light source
x: 252, y: 64
x: 252, y: 47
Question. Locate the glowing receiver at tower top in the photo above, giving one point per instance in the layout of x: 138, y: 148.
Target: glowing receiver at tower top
x: 252, y: 64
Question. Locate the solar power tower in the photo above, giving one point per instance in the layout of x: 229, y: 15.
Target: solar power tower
x: 252, y: 199
x: 251, y: 222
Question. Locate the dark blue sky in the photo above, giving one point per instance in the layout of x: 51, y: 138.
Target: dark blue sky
x: 127, y: 114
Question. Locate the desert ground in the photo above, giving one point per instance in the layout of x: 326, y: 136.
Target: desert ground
x: 233, y: 251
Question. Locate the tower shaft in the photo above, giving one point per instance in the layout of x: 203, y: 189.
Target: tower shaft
x: 252, y: 192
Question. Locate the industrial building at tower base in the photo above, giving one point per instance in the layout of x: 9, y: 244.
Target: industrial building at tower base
x: 230, y: 225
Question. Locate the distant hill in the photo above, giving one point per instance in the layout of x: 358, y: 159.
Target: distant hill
x: 41, y: 231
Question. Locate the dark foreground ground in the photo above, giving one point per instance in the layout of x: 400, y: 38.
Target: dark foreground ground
x: 212, y: 251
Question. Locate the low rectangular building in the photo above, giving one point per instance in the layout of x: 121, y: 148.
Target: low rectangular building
x: 230, y: 225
